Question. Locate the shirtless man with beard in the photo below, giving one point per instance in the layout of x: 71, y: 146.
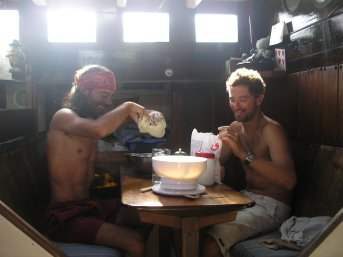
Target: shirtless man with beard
x: 261, y: 145
x: 73, y: 215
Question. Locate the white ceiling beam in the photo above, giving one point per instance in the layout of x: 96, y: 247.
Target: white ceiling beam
x: 192, y: 3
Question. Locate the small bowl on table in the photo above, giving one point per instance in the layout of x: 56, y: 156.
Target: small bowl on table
x: 141, y: 163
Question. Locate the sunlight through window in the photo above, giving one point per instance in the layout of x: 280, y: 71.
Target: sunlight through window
x: 72, y: 25
x: 145, y: 27
x: 9, y: 27
x: 216, y: 28
x: 9, y: 31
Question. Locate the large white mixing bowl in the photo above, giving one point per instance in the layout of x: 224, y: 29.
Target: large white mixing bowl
x: 179, y: 171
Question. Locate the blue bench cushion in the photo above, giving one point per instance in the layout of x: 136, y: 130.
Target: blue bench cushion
x: 84, y: 250
x: 254, y: 248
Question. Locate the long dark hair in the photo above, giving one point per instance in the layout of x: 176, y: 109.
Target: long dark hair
x: 76, y: 99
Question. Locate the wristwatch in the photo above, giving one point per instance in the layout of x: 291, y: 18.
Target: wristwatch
x: 249, y: 158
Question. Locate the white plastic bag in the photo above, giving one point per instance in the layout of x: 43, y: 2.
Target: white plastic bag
x: 207, y: 142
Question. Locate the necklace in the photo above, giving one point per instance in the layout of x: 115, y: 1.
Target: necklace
x: 249, y: 143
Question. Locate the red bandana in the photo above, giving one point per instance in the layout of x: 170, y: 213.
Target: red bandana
x: 97, y: 80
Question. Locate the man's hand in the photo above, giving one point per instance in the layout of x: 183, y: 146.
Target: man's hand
x: 153, y: 123
x: 231, y: 138
x: 154, y: 117
x: 136, y: 111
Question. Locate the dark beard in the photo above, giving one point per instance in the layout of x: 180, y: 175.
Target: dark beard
x: 249, y: 117
x: 86, y: 109
x: 82, y: 104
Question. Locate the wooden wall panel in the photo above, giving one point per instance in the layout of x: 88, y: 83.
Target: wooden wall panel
x: 271, y: 102
x: 177, y: 129
x: 319, y: 105
x: 193, y: 107
x: 304, y: 104
x: 280, y: 103
x: 340, y: 106
x: 17, y: 123
x: 329, y: 106
x: 292, y: 102
x: 315, y: 105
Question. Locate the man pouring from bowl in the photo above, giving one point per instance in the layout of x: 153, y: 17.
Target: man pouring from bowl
x: 74, y: 216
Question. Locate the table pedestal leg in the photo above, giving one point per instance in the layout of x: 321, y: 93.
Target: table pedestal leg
x: 164, y: 242
x: 190, y: 237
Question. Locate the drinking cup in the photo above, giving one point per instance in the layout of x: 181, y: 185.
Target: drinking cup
x: 156, y: 152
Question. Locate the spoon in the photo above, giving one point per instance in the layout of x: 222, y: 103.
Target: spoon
x: 197, y: 196
x: 146, y: 189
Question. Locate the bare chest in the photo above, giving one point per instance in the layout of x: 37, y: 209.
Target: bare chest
x: 74, y: 147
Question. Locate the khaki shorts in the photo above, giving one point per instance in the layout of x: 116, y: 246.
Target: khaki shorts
x: 267, y: 214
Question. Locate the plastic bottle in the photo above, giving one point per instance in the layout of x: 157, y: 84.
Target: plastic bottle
x: 207, y: 178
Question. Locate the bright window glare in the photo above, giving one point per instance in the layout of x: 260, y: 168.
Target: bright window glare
x: 71, y: 26
x: 216, y: 28
x: 145, y: 27
x: 9, y: 27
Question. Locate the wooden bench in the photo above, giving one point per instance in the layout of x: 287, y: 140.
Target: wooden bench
x: 318, y: 192
x: 24, y: 190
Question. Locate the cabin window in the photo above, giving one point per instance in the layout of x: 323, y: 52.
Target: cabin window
x: 145, y: 27
x: 9, y: 28
x: 71, y: 26
x: 220, y: 28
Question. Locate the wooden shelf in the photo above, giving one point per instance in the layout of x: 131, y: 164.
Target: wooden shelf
x: 272, y: 74
x: 268, y: 74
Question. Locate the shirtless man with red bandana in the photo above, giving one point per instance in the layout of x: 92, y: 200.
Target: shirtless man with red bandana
x: 73, y: 215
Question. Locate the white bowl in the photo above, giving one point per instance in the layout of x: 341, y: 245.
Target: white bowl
x: 179, y: 171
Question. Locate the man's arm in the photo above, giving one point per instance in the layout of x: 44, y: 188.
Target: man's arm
x: 68, y: 121
x: 279, y: 170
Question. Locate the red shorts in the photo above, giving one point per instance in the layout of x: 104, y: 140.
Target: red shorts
x: 79, y: 221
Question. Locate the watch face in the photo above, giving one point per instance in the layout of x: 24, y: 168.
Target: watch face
x: 250, y: 157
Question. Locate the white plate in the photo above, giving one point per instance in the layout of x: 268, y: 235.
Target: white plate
x: 173, y: 184
x: 157, y: 189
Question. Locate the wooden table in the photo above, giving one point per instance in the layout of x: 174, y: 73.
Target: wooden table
x: 181, y: 213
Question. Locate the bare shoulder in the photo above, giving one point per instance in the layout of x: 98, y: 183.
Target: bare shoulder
x: 272, y: 127
x: 276, y: 138
x: 64, y: 112
x: 61, y: 117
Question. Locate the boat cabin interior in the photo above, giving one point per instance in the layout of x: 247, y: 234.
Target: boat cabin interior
x: 173, y: 56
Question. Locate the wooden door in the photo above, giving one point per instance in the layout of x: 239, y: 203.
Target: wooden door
x: 193, y: 107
